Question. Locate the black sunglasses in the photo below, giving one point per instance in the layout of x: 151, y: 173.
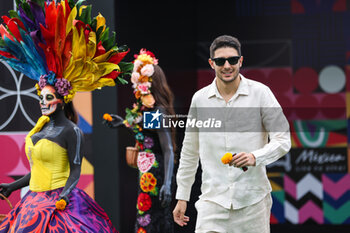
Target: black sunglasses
x: 220, y: 61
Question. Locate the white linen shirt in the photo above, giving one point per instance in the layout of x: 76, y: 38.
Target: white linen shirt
x: 226, y: 185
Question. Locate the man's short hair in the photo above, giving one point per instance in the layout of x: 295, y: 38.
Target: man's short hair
x: 225, y: 41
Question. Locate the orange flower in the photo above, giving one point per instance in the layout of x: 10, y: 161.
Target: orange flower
x: 226, y: 158
x: 143, y: 79
x: 107, y: 117
x: 141, y: 230
x: 148, y: 182
x: 61, y: 204
x: 148, y: 100
x: 137, y: 94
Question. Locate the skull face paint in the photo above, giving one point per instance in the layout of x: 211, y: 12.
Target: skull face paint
x: 48, y: 100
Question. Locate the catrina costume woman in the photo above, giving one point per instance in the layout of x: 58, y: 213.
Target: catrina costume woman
x: 155, y: 158
x: 65, y: 51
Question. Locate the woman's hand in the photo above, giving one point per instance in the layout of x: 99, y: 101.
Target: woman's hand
x: 114, y: 122
x: 165, y: 195
x: 6, y: 189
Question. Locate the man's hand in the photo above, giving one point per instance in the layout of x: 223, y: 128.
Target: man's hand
x: 179, y: 213
x: 243, y: 159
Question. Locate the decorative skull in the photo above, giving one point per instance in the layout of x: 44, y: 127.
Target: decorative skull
x: 49, y: 100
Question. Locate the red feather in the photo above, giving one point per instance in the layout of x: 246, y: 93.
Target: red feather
x: 60, y: 37
x: 50, y: 60
x: 51, y: 16
x: 78, y: 24
x: 6, y: 54
x: 19, y: 23
x: 48, y: 35
x: 68, y: 10
x: 113, y: 75
x: 66, y: 53
x: 118, y: 57
x: 4, y: 32
x: 99, y: 50
x: 13, y: 27
x: 5, y: 18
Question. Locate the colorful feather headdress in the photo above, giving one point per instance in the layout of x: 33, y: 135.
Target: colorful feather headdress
x: 60, y: 45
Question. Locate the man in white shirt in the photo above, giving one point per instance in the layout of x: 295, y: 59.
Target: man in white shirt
x: 253, y: 127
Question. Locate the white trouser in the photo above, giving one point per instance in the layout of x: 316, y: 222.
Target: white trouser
x: 213, y: 218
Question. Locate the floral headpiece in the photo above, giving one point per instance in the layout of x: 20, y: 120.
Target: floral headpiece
x: 141, y: 78
x: 60, y: 45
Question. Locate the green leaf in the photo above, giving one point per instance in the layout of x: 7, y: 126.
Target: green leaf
x: 129, y: 119
x: 104, y: 35
x: 41, y: 3
x: 13, y: 14
x: 126, y: 66
x: 86, y: 15
x: 109, y: 43
x: 122, y: 81
x: 128, y: 111
x: 94, y: 24
x: 71, y: 3
x: 79, y: 3
x: 18, y: 3
x: 98, y: 34
x: 26, y: 8
x: 2, y: 43
x: 123, y: 48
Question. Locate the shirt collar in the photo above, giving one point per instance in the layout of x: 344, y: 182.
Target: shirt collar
x: 242, y: 88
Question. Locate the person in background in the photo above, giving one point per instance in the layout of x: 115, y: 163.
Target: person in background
x: 155, y: 158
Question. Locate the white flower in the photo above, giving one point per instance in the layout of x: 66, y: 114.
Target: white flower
x: 135, y: 77
x: 137, y: 64
x: 138, y: 119
x: 147, y: 70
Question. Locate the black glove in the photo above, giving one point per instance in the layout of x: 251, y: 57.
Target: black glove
x: 6, y: 189
x: 116, y: 121
x: 165, y: 195
x: 64, y: 198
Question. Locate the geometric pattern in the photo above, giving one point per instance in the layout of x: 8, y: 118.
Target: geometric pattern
x: 304, y: 197
x: 310, y: 198
x: 278, y: 198
x: 336, y: 203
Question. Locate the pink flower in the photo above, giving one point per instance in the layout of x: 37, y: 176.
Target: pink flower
x: 144, y: 220
x: 63, y: 86
x: 135, y: 77
x: 145, y: 161
x: 148, y: 84
x: 147, y: 70
x: 155, y: 61
x: 143, y: 88
x: 42, y: 82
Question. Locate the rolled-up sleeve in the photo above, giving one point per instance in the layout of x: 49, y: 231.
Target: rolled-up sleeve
x: 277, y: 127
